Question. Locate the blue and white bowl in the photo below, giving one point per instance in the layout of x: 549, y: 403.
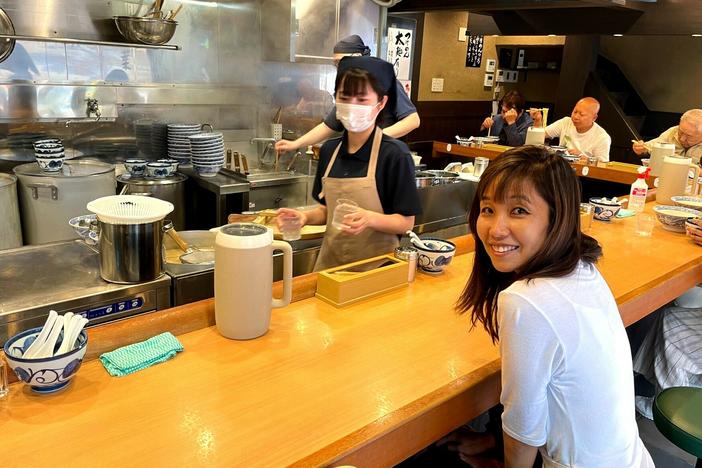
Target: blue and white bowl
x: 51, y: 163
x: 44, y: 375
x: 207, y: 171
x: 673, y: 218
x: 136, y: 167
x: 605, y: 210
x: 48, y: 140
x: 694, y: 203
x: 172, y: 162
x: 439, y: 254
x: 81, y: 224
x: 48, y: 148
x: 159, y: 170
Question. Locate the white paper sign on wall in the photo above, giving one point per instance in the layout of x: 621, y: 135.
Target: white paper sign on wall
x: 400, y: 51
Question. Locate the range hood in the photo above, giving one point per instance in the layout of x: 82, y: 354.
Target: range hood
x: 541, y: 17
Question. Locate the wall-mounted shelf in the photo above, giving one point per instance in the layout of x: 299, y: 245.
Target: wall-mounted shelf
x: 64, y: 40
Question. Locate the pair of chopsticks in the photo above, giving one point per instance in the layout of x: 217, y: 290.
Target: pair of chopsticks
x: 155, y: 11
x: 648, y: 148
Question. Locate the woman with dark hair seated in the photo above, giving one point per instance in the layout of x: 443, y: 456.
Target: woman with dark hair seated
x: 364, y: 165
x: 512, y: 123
x: 567, y: 381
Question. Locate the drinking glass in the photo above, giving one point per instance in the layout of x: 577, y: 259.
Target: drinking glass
x: 644, y: 224
x: 344, y: 206
x: 587, y: 211
x: 291, y: 228
x: 480, y: 165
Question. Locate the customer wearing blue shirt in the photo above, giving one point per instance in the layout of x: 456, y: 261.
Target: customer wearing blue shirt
x: 512, y: 123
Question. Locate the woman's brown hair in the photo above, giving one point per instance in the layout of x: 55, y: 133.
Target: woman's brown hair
x: 565, y: 245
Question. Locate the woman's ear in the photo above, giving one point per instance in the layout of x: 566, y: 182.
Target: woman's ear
x: 383, y: 102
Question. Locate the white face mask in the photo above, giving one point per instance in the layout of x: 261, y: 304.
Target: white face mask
x: 356, y: 117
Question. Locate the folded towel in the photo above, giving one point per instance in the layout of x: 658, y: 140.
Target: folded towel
x: 135, y: 357
x: 624, y: 213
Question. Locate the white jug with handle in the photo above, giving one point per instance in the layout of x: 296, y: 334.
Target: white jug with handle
x: 535, y: 136
x: 244, y: 279
x: 674, y: 177
x: 658, y: 152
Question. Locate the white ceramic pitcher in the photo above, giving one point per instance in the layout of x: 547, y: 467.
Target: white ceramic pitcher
x: 244, y: 279
x: 674, y: 177
x: 658, y: 152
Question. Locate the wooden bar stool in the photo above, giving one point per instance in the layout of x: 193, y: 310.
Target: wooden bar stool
x: 677, y: 412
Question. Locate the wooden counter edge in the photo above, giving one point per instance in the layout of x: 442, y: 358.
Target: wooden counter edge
x: 384, y: 442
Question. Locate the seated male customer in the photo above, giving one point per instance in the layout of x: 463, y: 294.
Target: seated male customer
x: 579, y: 132
x: 687, y: 137
x: 512, y: 123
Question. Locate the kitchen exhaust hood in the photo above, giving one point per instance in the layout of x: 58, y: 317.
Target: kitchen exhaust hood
x: 541, y: 17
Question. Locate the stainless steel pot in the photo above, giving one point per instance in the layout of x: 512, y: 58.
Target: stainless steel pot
x: 49, y: 200
x: 443, y: 177
x: 423, y: 179
x: 10, y: 228
x: 131, y: 253
x: 171, y: 189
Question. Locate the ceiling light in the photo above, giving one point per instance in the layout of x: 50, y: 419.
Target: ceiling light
x: 697, y: 35
x: 617, y: 35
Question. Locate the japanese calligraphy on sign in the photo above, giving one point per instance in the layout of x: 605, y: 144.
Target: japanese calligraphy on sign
x: 474, y: 54
x: 400, y: 51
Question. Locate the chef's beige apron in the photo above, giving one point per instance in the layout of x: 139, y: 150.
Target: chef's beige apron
x: 339, y: 248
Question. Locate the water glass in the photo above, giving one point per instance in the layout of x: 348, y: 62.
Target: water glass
x: 291, y: 228
x: 587, y: 211
x: 644, y: 224
x: 4, y: 385
x: 344, y: 206
x: 480, y: 165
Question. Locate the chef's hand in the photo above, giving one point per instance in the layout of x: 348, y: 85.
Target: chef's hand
x: 639, y: 148
x: 356, y: 223
x: 695, y: 233
x: 283, y: 146
x: 290, y: 213
x: 536, y: 116
x: 510, y: 116
x: 487, y: 123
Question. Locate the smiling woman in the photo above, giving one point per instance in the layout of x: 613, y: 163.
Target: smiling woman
x: 567, y: 379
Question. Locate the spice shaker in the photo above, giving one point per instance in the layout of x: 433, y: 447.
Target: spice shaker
x: 408, y: 254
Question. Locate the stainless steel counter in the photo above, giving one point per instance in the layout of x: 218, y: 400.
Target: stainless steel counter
x: 65, y: 276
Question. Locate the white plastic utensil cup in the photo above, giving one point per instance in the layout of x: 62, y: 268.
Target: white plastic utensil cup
x: 343, y: 207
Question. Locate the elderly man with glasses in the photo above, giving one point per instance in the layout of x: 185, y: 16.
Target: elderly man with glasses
x: 687, y: 137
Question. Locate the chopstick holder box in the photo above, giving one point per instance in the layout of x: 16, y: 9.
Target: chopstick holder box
x: 347, y: 284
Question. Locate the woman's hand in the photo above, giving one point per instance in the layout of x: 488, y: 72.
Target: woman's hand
x: 357, y: 222
x: 284, y: 146
x: 290, y: 213
x: 536, y: 116
x: 510, y: 116
x: 695, y: 233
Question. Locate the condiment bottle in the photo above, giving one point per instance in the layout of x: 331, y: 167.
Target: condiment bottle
x: 639, y: 190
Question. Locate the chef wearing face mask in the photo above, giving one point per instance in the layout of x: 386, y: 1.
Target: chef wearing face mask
x: 364, y: 165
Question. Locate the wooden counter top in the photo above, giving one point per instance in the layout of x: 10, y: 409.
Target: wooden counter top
x: 366, y: 385
x: 612, y: 171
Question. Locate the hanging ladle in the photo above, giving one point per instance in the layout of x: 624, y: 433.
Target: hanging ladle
x: 192, y: 255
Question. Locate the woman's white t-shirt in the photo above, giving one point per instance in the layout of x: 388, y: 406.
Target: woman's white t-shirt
x: 567, y: 379
x: 595, y: 141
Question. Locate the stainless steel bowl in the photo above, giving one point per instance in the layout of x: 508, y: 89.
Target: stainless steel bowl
x: 423, y: 179
x: 443, y: 177
x: 153, y: 31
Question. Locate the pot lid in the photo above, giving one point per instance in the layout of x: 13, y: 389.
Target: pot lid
x: 7, y: 179
x: 129, y: 209
x: 69, y: 169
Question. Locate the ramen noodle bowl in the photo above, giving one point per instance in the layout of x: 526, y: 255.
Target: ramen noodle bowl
x: 673, y: 217
x: 694, y: 203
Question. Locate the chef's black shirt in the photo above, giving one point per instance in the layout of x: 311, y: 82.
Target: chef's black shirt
x: 394, y: 176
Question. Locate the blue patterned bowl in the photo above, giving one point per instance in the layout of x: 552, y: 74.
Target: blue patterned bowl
x: 435, y: 259
x: 605, y: 211
x: 136, y: 167
x: 44, y: 375
x: 50, y: 164
x: 673, y: 218
x: 159, y: 170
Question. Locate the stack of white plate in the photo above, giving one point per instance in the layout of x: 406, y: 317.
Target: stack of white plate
x: 142, y: 131
x: 207, y: 153
x: 178, y: 143
x: 159, y: 140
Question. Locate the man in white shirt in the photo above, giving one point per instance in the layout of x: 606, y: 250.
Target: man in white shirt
x: 687, y: 137
x: 579, y: 132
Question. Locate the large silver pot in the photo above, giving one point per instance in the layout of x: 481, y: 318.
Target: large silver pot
x: 131, y: 253
x: 423, y: 179
x: 443, y: 177
x: 171, y: 189
x: 10, y: 228
x: 49, y: 199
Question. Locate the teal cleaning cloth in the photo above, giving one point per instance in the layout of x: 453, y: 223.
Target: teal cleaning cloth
x: 135, y: 357
x: 624, y: 213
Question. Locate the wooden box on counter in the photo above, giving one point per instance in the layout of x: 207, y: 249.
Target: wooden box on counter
x: 348, y: 284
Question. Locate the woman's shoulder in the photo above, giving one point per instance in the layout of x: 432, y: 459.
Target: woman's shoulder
x: 394, y: 146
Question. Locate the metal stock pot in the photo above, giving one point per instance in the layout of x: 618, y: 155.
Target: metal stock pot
x: 49, y: 199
